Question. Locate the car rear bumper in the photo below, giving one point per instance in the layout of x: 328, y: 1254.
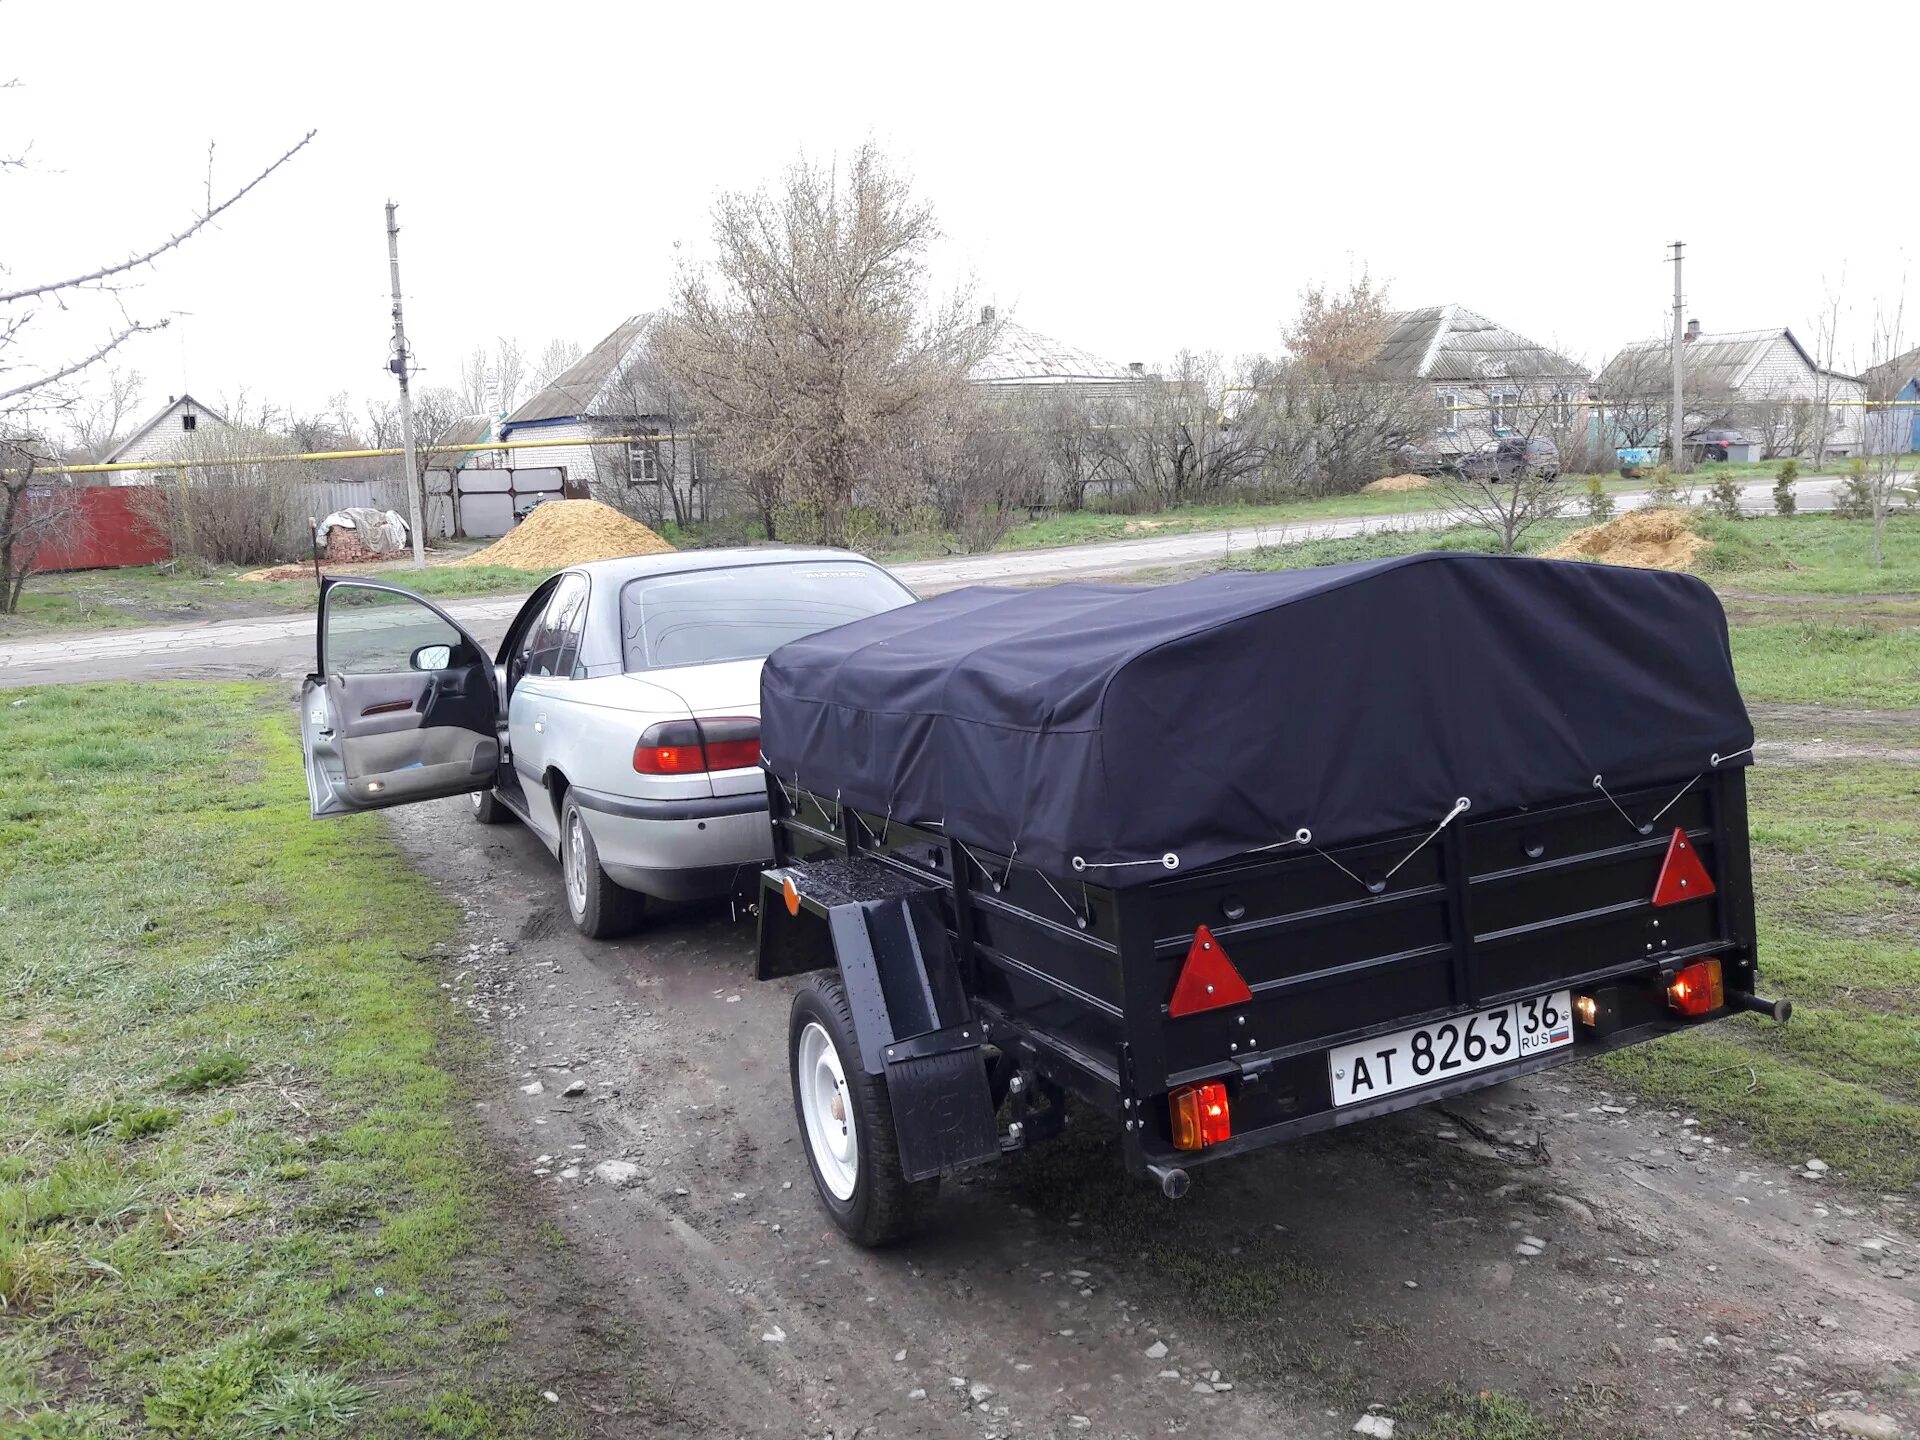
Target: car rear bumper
x: 677, y: 849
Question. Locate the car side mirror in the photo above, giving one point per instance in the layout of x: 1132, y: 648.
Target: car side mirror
x: 432, y: 657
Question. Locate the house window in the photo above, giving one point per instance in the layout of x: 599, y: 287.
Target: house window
x: 1503, y: 408
x: 1449, y: 417
x: 1563, y: 407
x: 189, y: 421
x: 643, y: 462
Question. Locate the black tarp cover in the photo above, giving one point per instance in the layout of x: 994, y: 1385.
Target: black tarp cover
x: 1120, y: 724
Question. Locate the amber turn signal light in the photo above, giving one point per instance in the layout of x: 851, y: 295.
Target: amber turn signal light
x: 1200, y: 1115
x: 1698, y: 989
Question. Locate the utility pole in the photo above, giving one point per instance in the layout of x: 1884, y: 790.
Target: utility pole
x: 400, y: 364
x: 1677, y: 423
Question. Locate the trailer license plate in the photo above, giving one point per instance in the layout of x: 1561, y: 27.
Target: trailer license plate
x: 1428, y: 1054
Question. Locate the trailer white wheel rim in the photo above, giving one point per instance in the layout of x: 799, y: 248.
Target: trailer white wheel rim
x: 576, y: 864
x: 827, y: 1106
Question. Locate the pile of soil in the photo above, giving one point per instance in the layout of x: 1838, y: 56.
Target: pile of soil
x: 569, y: 532
x: 1395, y: 483
x: 1650, y: 539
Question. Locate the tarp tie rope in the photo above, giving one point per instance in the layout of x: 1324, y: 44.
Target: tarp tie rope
x: 1302, y: 836
x: 1080, y: 917
x: 1632, y: 824
x: 1460, y: 807
x: 1001, y: 883
x: 1647, y: 829
x: 1719, y: 759
x: 1168, y: 861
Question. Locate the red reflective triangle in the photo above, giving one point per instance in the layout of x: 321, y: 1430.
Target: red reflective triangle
x: 1682, y: 876
x: 1207, y: 979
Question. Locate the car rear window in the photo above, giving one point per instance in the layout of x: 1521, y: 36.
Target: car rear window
x: 745, y: 612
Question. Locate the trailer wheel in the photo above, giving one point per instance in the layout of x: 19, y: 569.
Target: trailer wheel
x: 846, y: 1121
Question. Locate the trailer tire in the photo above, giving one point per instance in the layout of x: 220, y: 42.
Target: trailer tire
x: 859, y: 1180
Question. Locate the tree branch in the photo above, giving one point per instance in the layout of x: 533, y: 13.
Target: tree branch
x: 41, y: 382
x: 200, y: 222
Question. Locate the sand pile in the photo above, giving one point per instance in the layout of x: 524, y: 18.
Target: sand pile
x: 1396, y: 483
x: 1651, y: 539
x: 568, y: 532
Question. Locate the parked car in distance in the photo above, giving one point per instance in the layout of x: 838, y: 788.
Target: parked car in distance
x: 619, y: 720
x: 1714, y: 443
x: 1512, y: 457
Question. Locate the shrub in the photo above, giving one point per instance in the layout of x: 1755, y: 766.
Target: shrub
x: 1662, y: 493
x: 1854, y: 499
x: 1783, y: 498
x: 1724, y: 496
x: 1599, y: 501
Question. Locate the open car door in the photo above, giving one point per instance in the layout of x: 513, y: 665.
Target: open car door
x: 405, y: 705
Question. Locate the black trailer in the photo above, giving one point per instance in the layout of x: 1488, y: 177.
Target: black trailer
x: 1241, y: 859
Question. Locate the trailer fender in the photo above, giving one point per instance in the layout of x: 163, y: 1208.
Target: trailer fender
x: 910, y: 1011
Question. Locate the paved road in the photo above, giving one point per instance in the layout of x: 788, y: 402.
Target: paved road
x: 283, y: 646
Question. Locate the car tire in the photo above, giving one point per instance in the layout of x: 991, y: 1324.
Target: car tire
x: 854, y: 1155
x: 600, y: 909
x: 487, y: 809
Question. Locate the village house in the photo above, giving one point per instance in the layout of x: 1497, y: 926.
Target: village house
x: 1763, y: 383
x: 611, y: 391
x: 1488, y: 382
x: 176, y: 431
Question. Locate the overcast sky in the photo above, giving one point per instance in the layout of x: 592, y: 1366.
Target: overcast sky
x: 1130, y: 179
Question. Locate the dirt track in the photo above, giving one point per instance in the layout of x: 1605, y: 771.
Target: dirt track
x: 1679, y: 1280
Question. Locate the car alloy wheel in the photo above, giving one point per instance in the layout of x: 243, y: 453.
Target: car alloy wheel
x: 574, y: 863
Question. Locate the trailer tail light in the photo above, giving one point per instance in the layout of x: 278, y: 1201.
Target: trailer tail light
x: 693, y: 747
x: 1207, y: 979
x: 1200, y: 1115
x: 1682, y: 876
x: 1698, y: 989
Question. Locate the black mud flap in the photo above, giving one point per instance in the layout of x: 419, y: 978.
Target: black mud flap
x: 942, y: 1112
x: 915, y: 1026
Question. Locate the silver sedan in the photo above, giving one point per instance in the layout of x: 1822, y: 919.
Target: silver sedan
x: 619, y: 720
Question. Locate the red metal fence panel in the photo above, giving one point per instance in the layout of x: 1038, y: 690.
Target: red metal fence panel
x: 107, y: 532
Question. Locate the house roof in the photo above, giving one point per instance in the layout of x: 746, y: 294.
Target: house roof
x: 578, y: 390
x: 1451, y: 342
x: 1020, y: 356
x: 174, y: 402
x: 1727, y: 358
x: 1902, y: 370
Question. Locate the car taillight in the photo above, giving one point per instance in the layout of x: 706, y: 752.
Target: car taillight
x: 1200, y: 1115
x: 733, y: 741
x: 1698, y: 989
x: 693, y: 747
x: 670, y: 748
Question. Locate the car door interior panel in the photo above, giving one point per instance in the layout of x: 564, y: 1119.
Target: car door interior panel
x: 404, y: 707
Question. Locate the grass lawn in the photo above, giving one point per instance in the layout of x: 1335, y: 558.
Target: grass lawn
x: 161, y: 595
x: 1836, y: 849
x: 238, y: 1193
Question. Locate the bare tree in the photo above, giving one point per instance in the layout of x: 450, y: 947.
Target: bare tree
x: 37, y: 512
x: 1885, y: 429
x: 438, y: 412
x: 236, y: 500
x: 1504, y: 487
x: 99, y: 418
x: 1780, y: 422
x: 554, y: 358
x: 491, y: 379
x: 1825, y: 345
x: 1175, y: 442
x: 37, y: 388
x: 811, y: 343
